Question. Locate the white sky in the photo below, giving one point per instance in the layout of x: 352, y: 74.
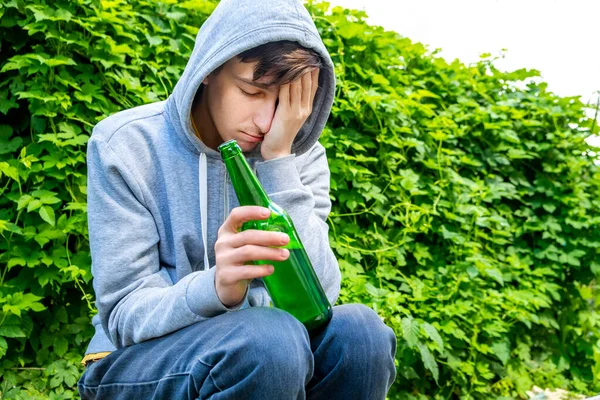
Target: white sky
x: 560, y: 38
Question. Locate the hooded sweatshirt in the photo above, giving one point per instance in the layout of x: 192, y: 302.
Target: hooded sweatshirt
x: 157, y: 195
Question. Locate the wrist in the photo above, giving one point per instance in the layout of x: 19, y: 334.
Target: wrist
x: 232, y: 303
x: 271, y: 155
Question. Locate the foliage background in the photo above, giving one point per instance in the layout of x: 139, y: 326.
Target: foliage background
x: 465, y: 198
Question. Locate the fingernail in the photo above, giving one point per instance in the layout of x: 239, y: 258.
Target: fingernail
x: 284, y: 238
x: 266, y: 212
x: 285, y: 253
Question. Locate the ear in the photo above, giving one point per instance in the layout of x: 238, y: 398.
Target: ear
x: 206, y: 79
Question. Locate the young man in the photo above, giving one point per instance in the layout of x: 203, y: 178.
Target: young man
x: 180, y: 314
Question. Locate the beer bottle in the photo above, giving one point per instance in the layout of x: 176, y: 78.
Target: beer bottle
x: 293, y: 286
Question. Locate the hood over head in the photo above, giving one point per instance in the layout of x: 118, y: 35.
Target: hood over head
x: 234, y: 27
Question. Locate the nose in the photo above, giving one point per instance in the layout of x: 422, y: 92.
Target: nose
x: 263, y: 118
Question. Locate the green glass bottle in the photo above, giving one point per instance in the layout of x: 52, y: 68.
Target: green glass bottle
x: 294, y: 286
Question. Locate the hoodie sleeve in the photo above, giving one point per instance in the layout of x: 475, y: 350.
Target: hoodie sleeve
x: 135, y: 296
x: 304, y: 195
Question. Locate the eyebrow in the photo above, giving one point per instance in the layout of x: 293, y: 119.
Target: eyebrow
x: 264, y: 86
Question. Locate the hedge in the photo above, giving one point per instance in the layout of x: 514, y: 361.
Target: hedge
x: 465, y: 199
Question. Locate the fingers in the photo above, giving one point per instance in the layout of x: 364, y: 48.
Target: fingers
x: 296, y: 93
x: 239, y: 215
x: 259, y: 238
x: 306, y: 90
x: 284, y: 95
x: 247, y: 253
x: 234, y: 250
x: 245, y: 272
x: 301, y: 91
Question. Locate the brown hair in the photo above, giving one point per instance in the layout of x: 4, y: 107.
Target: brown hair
x: 283, y: 60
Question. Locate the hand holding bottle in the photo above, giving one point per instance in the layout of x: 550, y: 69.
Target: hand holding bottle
x: 294, y: 286
x: 233, y: 249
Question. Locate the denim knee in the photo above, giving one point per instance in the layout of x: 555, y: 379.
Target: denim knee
x: 361, y: 325
x: 354, y: 356
x: 276, y: 336
x: 268, y: 347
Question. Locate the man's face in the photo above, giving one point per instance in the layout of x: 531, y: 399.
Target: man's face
x: 240, y: 109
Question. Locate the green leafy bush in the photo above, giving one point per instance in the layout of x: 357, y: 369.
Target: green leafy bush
x: 65, y: 65
x: 467, y: 214
x: 465, y: 198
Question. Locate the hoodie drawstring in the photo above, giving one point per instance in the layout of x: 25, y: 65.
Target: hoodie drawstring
x: 203, y: 190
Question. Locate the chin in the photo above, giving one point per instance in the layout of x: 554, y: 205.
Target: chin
x: 245, y: 146
x: 250, y: 147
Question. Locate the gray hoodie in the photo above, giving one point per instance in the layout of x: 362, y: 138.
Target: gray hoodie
x: 157, y: 195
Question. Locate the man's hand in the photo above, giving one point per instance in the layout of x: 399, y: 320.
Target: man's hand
x: 233, y: 249
x: 295, y: 106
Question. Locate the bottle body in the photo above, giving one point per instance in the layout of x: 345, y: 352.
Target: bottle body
x: 293, y: 286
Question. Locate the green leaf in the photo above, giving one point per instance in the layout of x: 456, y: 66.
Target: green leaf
x: 518, y: 154
x: 46, y: 275
x: 47, y: 214
x: 22, y: 302
x: 11, y: 331
x: 422, y: 253
x: 47, y: 339
x: 497, y: 275
x: 42, y: 12
x: 455, y: 237
x: 9, y: 226
x: 375, y: 291
x: 16, y: 261
x: 10, y: 146
x: 33, y: 205
x: 3, y: 347
x: 40, y: 194
x: 348, y: 30
x: 429, y: 361
x: 6, y: 102
x: 63, y: 372
x: 9, y: 171
x: 410, y: 331
x: 472, y: 271
x: 595, y: 267
x: 154, y: 40
x: 502, y: 351
x: 433, y: 334
x: 60, y: 346
x: 510, y: 136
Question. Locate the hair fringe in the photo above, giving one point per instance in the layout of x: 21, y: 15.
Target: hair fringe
x: 283, y: 60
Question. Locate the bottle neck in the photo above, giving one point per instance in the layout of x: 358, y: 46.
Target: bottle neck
x: 247, y: 186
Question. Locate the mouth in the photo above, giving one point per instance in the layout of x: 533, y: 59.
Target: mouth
x: 251, y: 138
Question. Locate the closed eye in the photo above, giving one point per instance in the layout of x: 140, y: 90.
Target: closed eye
x: 249, y: 94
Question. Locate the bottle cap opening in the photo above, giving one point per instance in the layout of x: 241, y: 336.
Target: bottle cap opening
x: 229, y: 149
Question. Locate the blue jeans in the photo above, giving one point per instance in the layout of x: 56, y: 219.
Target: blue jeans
x: 254, y: 353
